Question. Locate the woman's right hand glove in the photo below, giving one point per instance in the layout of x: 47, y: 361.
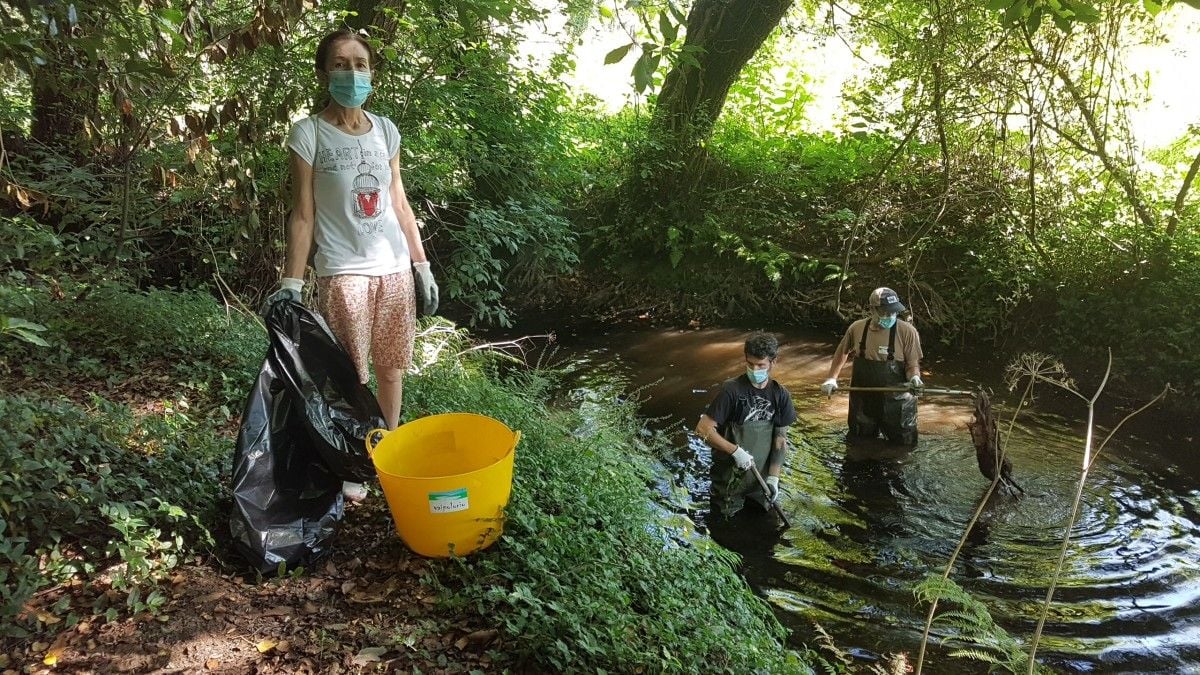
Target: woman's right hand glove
x: 289, y: 289
x: 829, y: 386
x: 742, y: 459
x: 427, y: 288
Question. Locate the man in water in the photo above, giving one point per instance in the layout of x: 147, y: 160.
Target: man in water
x: 887, y: 353
x: 746, y: 426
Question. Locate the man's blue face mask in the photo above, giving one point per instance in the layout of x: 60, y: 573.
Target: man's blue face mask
x: 886, y: 321
x: 758, y: 375
x: 350, y: 88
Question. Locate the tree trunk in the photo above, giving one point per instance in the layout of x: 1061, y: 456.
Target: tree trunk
x: 65, y: 93
x: 722, y: 35
x: 727, y: 33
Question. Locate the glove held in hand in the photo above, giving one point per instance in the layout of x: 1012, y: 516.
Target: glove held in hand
x: 427, y: 288
x: 742, y: 459
x: 773, y: 486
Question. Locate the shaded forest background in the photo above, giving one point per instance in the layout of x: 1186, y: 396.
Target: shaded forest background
x: 988, y: 170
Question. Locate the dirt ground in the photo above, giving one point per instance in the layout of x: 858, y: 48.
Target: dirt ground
x: 365, y: 608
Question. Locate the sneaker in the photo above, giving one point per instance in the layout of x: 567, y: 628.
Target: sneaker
x: 354, y: 492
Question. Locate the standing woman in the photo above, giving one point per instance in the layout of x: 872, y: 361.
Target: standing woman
x: 348, y: 200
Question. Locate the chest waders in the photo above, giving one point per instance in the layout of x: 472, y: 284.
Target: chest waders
x: 731, y: 485
x: 894, y: 414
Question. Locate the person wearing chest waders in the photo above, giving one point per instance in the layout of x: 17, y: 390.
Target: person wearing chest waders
x: 887, y: 353
x: 746, y: 426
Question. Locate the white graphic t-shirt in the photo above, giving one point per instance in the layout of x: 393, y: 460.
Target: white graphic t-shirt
x: 357, y: 231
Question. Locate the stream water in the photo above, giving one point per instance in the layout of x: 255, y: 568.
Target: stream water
x: 869, y: 523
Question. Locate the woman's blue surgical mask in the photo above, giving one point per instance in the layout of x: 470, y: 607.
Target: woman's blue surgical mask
x: 350, y: 88
x: 757, y: 376
x: 887, y: 321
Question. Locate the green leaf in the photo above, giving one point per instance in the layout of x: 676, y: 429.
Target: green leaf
x: 643, y: 71
x: 669, y: 30
x: 1013, y: 13
x: 1192, y: 3
x: 617, y: 54
x: 1035, y: 19
x: 31, y: 338
x: 997, y: 5
x: 680, y: 17
x: 173, y: 17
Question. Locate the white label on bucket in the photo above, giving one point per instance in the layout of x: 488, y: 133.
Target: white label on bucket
x: 449, y: 501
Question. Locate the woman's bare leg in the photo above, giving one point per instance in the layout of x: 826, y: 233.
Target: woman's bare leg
x: 390, y: 394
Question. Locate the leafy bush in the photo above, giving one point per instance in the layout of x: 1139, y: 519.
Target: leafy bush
x: 97, y: 495
x: 110, y: 333
x: 587, y: 576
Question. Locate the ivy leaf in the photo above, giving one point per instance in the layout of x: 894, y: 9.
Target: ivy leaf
x: 617, y: 54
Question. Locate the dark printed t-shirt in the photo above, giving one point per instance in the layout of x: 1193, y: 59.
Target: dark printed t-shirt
x: 739, y: 402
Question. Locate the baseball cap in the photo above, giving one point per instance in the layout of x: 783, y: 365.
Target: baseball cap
x: 885, y: 300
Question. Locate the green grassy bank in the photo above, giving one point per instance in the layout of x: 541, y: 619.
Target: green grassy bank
x: 115, y: 443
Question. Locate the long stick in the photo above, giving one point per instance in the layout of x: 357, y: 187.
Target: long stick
x: 767, y: 493
x: 918, y: 391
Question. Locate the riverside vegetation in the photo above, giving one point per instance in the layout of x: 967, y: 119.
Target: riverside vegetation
x: 117, y: 438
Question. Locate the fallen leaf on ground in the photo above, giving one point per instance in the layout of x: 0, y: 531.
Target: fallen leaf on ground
x: 281, y: 610
x: 47, y: 618
x: 265, y: 646
x: 369, y: 655
x: 52, y: 656
x: 212, y: 664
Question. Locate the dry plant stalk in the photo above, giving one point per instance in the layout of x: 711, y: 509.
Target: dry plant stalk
x: 1032, y: 369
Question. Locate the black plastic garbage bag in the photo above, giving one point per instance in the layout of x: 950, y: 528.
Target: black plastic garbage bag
x: 302, y: 434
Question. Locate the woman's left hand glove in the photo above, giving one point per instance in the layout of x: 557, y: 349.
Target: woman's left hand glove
x: 427, y: 288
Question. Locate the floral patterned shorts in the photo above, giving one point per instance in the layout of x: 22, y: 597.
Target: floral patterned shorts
x: 373, y: 316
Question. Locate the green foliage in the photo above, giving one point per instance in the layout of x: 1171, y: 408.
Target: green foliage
x: 108, y: 333
x: 527, y: 243
x: 95, y: 494
x: 587, y: 577
x: 971, y: 625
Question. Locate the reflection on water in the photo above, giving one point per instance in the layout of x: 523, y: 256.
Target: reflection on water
x: 869, y: 523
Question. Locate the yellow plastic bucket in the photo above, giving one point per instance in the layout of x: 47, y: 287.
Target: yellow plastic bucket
x: 447, y: 479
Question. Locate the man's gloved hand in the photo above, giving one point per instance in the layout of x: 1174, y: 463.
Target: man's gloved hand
x: 829, y: 386
x: 289, y: 289
x: 773, y: 486
x: 916, y: 382
x: 742, y: 459
x: 427, y: 288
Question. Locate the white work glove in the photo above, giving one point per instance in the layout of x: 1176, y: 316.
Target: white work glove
x: 742, y: 459
x: 829, y: 386
x: 916, y: 382
x: 427, y: 288
x: 289, y: 289
x: 773, y: 484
